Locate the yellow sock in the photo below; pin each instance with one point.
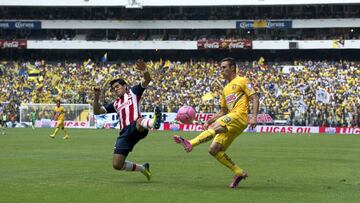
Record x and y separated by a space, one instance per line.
66 134
203 137
226 161
56 131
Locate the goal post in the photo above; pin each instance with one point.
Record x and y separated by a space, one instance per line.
76 115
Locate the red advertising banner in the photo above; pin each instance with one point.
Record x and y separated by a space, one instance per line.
272 129
170 117
13 44
183 127
261 118
285 129
259 129
224 44
47 123
339 130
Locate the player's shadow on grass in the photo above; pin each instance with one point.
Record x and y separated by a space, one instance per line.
137 182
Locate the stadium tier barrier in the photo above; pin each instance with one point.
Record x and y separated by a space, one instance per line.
266 124
169 124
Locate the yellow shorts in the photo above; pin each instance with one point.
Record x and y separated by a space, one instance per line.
235 124
60 124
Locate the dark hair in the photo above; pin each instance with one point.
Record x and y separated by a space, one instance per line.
230 60
119 80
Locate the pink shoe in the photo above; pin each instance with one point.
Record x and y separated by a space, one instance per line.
184 142
236 180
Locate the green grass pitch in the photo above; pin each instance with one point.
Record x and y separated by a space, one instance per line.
282 168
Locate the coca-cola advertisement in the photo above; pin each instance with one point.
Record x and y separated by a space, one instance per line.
224 44
13 44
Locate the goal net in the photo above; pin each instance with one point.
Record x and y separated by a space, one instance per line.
76 115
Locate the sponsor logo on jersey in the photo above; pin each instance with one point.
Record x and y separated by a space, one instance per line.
230 98
226 119
125 104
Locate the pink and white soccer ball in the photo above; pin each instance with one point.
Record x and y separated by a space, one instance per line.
186 114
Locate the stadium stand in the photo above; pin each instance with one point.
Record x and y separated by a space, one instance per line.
290 96
293 63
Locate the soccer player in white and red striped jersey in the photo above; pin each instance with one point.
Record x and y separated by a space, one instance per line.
133 127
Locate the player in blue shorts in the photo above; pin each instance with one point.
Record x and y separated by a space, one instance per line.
133 127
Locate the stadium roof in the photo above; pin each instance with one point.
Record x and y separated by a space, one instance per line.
141 3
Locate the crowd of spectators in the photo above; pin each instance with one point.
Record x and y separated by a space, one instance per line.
294 96
285 93
182 13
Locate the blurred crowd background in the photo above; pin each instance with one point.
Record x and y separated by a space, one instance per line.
314 93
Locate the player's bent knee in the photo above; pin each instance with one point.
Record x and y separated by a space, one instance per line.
213 150
138 122
118 165
139 126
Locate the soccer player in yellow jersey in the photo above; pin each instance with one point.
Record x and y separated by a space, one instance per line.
230 121
59 115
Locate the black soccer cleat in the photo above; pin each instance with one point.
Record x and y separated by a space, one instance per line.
147 172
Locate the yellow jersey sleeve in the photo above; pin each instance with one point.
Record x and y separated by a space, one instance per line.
247 87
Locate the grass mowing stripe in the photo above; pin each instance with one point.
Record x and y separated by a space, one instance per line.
282 167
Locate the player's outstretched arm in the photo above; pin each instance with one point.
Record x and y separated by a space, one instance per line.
98 109
141 66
